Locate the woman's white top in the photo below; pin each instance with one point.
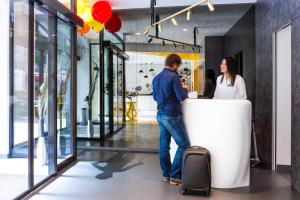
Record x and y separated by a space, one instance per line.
225 90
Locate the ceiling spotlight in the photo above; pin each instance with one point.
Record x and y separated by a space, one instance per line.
150 40
159 27
174 45
193 49
199 49
146 31
188 15
146 76
137 33
210 6
185 29
175 23
183 46
164 43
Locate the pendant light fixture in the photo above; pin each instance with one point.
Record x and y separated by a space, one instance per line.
174 21
146 31
187 10
188 15
174 45
146 76
210 6
150 40
159 27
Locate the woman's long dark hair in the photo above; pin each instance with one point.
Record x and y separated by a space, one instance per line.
232 69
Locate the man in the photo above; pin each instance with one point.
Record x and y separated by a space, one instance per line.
169 92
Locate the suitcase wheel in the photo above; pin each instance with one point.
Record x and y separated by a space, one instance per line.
183 191
207 193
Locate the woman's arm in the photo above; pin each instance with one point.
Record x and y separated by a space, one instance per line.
241 86
217 88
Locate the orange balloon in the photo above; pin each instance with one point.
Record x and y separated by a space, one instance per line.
84 30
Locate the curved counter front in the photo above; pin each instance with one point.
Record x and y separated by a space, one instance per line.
224 128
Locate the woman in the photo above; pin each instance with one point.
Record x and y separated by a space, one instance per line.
210 84
229 84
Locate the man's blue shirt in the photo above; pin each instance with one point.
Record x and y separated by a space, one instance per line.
168 92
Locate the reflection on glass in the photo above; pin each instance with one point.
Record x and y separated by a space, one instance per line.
41 44
83 87
95 71
115 89
63 91
14 171
107 90
120 92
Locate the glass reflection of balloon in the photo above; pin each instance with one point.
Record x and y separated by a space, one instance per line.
86 15
83 30
92 23
99 27
114 24
80 6
101 11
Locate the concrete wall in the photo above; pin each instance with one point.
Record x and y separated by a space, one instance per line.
270 16
241 38
83 75
4 74
214 53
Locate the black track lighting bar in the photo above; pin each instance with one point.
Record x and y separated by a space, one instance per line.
173 41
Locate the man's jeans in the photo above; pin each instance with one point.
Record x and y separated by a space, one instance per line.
171 126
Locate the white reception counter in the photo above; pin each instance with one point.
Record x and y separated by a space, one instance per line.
224 128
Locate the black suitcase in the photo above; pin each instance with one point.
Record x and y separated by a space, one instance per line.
196 173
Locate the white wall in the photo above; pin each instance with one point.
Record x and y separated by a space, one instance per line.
83 75
283 96
4 66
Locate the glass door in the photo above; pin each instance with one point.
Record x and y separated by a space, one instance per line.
120 92
64 99
14 168
115 91
108 93
41 66
41 76
117 100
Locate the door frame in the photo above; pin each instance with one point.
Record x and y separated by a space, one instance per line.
274 95
112 49
55 10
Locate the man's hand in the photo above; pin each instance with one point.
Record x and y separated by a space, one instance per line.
185 86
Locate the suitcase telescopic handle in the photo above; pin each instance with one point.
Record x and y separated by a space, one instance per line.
196 147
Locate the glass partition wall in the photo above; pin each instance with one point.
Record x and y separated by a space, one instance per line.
106 91
41 78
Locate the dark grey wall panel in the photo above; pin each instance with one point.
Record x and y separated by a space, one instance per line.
241 38
296 104
214 52
270 16
295 8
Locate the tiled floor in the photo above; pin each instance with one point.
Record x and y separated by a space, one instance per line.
144 136
131 176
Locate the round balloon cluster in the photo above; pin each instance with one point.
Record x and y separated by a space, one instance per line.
97 17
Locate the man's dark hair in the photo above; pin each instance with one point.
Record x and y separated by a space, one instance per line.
173 59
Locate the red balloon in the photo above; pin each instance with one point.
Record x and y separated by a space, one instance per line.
114 24
102 11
